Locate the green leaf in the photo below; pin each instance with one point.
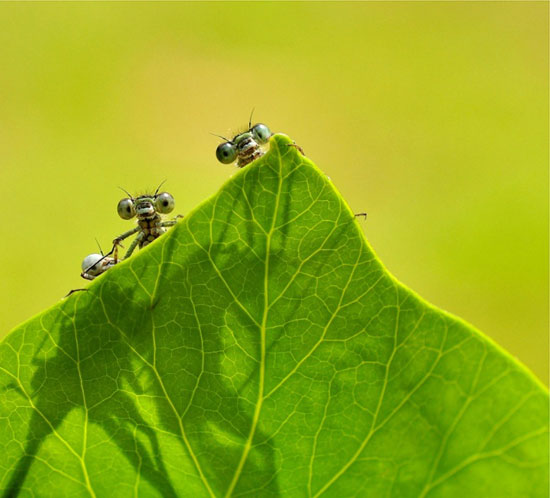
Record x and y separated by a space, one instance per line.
260 348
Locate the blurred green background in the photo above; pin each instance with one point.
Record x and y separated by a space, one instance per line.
433 117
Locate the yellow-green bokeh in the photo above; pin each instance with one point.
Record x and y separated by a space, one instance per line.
433 117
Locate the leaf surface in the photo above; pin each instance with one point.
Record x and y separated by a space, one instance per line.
260 348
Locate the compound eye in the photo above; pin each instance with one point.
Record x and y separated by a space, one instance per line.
126 209
226 153
90 264
261 133
164 203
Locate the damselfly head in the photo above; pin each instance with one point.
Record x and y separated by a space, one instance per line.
92 264
245 146
145 206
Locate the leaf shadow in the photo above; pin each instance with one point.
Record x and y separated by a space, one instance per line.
123 348
214 409
161 342
56 383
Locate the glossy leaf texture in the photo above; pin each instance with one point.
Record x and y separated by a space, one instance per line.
261 349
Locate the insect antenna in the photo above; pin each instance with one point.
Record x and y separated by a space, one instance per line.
250 118
158 188
219 136
127 193
99 245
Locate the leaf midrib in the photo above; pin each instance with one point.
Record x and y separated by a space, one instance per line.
263 327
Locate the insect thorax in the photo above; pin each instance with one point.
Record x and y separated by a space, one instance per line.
151 229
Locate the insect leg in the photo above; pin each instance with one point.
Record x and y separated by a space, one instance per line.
133 245
297 147
118 241
170 223
364 215
72 291
127 234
